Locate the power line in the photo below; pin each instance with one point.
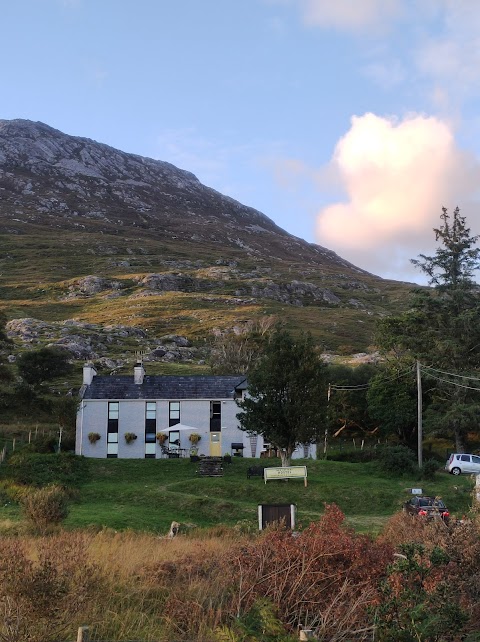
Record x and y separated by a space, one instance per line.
450 374
361 386
453 383
365 386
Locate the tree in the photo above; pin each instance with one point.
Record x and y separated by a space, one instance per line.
451 268
42 365
65 411
287 394
347 406
442 328
392 401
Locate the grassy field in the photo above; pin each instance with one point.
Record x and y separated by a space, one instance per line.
147 495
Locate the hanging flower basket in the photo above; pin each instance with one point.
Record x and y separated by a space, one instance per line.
129 437
93 437
194 437
161 438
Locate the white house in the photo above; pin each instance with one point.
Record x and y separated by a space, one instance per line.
121 416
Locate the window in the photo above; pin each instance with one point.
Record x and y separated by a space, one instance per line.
174 440
475 459
215 416
150 429
112 429
173 413
151 410
150 451
465 458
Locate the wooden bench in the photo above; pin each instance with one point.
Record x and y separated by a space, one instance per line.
255 471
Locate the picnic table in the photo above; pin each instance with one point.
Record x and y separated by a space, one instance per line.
175 453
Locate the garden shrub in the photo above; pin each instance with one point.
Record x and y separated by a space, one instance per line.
354 456
396 460
429 469
12 492
45 507
45 444
46 586
261 624
35 469
444 563
325 578
419 601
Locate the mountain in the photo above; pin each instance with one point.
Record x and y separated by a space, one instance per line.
93 236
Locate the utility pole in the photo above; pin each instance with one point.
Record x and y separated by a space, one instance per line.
419 415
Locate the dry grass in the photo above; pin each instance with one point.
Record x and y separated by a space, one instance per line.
403 527
116 578
207 586
125 552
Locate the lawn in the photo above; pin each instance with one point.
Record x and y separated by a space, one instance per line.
147 495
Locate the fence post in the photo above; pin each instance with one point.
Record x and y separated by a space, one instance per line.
83 634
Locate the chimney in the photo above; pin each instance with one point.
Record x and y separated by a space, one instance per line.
138 374
88 373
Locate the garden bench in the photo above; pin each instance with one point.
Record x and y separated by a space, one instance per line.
255 471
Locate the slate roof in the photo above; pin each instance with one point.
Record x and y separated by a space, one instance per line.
165 387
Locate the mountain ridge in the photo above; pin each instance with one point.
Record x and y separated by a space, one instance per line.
50 158
96 235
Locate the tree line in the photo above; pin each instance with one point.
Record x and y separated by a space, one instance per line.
294 398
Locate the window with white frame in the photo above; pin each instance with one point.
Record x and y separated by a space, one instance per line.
150 429
173 413
112 429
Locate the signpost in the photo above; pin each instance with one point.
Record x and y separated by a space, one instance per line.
287 472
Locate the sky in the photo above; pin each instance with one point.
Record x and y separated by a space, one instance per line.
349 123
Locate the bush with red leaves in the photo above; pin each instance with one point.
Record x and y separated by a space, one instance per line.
325 577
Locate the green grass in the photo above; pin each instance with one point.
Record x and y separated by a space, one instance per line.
147 495
61 259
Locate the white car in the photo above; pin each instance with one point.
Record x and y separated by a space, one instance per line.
459 463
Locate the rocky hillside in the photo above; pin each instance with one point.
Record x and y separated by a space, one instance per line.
110 242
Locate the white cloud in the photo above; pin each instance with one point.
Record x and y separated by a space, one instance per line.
452 56
350 15
432 45
396 175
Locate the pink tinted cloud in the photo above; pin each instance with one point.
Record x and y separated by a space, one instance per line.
350 15
396 176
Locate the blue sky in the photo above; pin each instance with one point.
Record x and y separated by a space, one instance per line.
350 123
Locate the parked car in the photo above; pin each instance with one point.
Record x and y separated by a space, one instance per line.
459 463
429 507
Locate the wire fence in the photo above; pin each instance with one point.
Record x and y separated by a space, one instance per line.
10 442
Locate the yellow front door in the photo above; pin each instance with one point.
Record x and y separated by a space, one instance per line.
215 445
